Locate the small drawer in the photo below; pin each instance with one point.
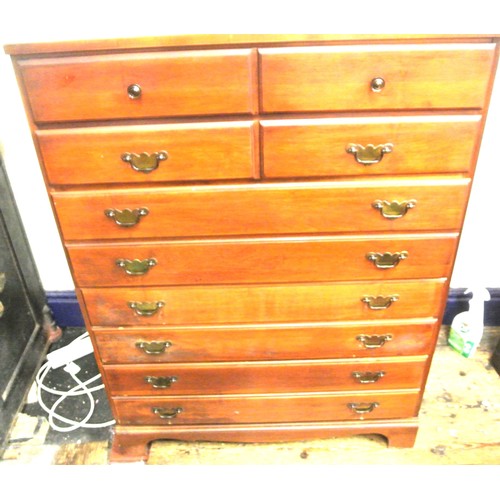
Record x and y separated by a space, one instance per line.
369 146
265 377
380 77
143 85
148 153
260 209
234 304
266 260
163 345
261 409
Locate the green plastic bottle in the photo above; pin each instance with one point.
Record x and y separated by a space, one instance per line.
467 327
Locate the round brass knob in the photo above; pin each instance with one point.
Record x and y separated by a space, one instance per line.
134 91
377 84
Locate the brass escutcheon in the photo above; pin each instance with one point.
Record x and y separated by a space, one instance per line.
373 341
380 302
369 154
136 267
146 308
126 217
386 260
368 377
144 162
393 209
154 348
160 382
361 408
167 413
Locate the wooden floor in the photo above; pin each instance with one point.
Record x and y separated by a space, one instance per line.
460 425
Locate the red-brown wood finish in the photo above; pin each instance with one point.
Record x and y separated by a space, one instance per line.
173 84
204 151
272 341
257 209
260 222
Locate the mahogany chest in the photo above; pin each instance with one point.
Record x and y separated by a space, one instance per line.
261 228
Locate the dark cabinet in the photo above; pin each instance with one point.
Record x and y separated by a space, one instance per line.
26 326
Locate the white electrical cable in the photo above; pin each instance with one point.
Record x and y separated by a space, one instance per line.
81 388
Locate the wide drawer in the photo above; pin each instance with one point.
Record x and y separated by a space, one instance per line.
264 260
265 342
148 153
171 84
265 377
369 146
375 78
219 304
262 409
309 207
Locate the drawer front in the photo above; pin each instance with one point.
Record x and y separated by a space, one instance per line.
148 153
263 260
263 303
265 342
340 78
369 146
255 378
261 409
172 84
263 209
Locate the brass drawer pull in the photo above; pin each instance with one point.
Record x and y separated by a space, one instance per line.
134 91
144 162
362 408
380 302
368 377
154 348
167 413
377 84
146 308
386 260
160 382
373 341
393 209
136 267
369 154
126 217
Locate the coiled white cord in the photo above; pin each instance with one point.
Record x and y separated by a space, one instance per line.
80 389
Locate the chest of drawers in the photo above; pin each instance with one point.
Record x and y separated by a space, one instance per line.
261 229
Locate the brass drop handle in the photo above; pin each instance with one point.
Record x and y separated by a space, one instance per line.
160 382
146 308
373 341
380 302
368 377
377 84
369 154
136 267
167 413
126 217
153 348
393 209
362 408
134 91
386 260
144 162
